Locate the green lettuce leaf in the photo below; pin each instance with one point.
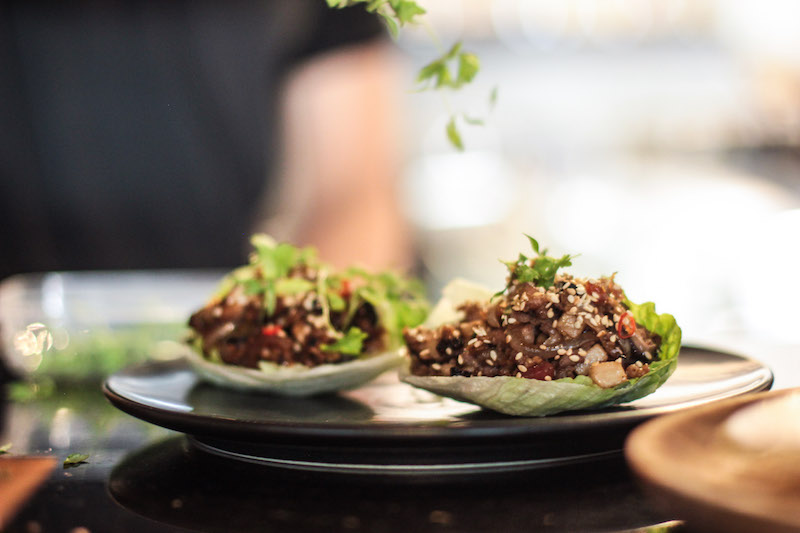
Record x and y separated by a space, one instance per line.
293 380
530 397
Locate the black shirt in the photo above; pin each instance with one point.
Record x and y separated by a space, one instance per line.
142 134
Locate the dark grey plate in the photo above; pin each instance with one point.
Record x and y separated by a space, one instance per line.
389 427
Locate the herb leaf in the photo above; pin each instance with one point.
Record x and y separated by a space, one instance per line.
468 66
540 270
287 286
351 343
74 459
453 135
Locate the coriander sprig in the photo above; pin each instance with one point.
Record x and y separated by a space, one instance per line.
453 69
396 13
540 270
276 269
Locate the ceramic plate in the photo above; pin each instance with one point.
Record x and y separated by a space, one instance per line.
390 427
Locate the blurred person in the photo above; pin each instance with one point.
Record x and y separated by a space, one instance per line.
142 134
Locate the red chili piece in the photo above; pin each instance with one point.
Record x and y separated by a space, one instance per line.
626 326
271 329
346 289
597 291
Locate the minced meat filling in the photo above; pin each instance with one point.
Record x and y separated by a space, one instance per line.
545 334
239 330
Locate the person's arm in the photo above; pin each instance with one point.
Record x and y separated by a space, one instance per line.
341 151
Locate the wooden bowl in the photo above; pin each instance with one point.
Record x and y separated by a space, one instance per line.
730 466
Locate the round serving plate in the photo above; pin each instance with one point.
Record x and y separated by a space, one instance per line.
390 428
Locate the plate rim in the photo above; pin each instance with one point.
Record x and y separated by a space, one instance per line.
609 420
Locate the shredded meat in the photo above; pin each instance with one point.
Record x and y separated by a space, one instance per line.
538 333
239 330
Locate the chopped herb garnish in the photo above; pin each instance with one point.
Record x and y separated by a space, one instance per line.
540 270
279 270
75 459
5 448
351 344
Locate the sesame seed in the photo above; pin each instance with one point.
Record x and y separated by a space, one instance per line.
487 341
601 334
519 374
512 320
472 341
456 333
436 366
518 356
574 358
648 356
557 357
542 347
581 351
555 323
548 378
561 351
550 313
448 351
420 338
613 338
571 291
522 368
570 298
490 362
508 338
425 352
493 355
460 360
569 351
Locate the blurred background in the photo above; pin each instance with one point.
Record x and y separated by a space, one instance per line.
658 139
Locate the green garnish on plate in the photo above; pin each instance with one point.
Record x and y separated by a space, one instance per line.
75 459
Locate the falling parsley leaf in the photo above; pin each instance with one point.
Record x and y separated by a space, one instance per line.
453 135
351 344
493 98
468 66
473 121
396 13
451 70
5 448
75 459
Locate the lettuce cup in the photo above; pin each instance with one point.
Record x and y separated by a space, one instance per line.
547 343
289 324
